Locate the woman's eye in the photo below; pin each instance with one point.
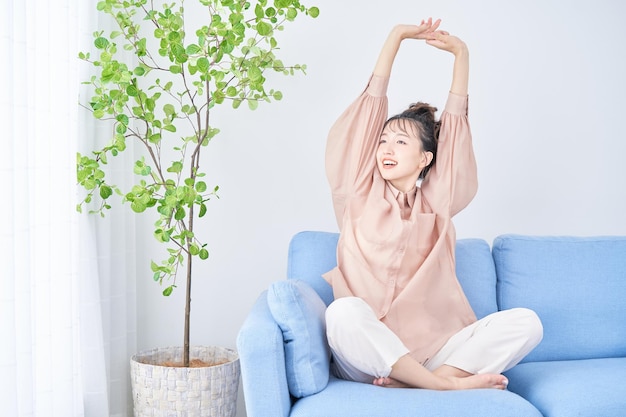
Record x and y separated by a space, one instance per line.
382 141
401 142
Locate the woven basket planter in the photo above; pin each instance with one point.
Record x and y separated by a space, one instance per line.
163 391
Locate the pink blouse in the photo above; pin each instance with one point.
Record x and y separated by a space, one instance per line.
403 268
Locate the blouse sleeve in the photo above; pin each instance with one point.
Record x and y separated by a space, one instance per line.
452 182
352 143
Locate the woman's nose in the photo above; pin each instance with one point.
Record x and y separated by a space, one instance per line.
385 149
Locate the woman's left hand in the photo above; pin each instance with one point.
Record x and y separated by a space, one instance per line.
443 40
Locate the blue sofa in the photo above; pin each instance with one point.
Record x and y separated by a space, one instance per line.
577 286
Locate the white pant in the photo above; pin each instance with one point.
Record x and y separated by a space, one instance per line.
364 348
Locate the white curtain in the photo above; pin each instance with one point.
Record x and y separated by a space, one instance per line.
67 301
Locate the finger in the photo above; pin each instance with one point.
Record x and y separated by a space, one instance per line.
440 36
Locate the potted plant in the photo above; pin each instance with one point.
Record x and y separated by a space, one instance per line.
164 101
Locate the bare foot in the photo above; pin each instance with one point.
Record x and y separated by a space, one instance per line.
389 383
492 381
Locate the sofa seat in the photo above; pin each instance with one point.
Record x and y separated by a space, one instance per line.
582 388
344 398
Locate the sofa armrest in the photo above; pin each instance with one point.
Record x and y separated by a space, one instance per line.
262 357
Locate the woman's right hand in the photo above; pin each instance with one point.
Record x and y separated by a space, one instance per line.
425 30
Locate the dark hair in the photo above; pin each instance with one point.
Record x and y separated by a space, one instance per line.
422 117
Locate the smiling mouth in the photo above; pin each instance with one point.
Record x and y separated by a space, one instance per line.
388 163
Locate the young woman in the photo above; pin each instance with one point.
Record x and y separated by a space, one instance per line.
400 317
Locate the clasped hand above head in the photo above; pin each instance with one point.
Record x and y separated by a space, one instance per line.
425 30
429 31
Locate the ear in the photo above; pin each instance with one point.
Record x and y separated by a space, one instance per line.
427 158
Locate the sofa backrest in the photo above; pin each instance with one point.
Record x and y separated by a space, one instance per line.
311 254
577 286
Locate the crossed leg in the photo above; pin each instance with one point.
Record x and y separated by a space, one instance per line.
473 358
408 373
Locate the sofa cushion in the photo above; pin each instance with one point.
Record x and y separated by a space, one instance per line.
577 286
345 398
312 254
299 312
584 388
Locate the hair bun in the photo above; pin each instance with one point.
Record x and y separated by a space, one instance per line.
421 109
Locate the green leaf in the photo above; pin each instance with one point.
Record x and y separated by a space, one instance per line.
201 186
141 168
193 49
253 104
137 206
101 43
168 291
120 128
105 192
203 64
179 53
180 213
169 109
204 254
132 91
122 118
162 235
264 28
258 11
176 167
254 73
314 12
90 184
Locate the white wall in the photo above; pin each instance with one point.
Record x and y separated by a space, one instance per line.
547 98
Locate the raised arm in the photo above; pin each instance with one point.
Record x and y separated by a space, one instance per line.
452 181
460 74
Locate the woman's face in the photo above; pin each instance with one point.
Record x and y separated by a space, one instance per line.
400 157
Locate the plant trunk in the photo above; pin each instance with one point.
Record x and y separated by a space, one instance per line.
187 307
